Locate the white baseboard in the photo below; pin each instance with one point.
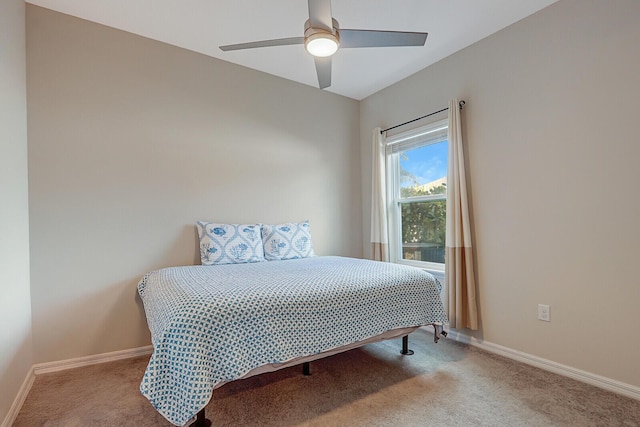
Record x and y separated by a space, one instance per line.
19 400
605 383
62 365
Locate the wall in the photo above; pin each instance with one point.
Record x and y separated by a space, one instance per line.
15 306
552 151
131 141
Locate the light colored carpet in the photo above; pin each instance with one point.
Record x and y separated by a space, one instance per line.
444 384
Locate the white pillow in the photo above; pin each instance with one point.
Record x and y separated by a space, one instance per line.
229 243
287 241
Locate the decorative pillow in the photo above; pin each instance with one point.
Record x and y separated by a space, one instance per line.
229 243
287 241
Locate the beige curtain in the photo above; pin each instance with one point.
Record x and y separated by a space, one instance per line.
379 229
460 298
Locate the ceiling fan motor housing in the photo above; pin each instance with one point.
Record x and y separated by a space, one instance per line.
329 38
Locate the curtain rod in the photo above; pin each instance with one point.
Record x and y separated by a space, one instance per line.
461 104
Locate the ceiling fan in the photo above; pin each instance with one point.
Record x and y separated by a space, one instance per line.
323 37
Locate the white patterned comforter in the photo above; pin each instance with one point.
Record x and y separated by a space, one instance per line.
213 324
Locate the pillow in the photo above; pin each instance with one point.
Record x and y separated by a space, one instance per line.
229 243
287 241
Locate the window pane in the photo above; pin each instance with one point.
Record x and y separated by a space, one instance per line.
423 230
423 170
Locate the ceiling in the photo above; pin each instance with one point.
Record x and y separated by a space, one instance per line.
203 25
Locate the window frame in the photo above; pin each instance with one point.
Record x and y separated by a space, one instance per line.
419 137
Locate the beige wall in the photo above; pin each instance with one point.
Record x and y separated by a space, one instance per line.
552 148
15 307
131 141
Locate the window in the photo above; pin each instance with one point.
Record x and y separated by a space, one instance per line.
417 178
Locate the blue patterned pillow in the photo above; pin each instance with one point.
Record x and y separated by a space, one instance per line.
287 241
229 243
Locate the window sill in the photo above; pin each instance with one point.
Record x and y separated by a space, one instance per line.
431 267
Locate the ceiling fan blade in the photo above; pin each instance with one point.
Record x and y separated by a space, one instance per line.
323 68
320 14
372 38
264 43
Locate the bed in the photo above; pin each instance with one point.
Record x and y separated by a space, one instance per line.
214 324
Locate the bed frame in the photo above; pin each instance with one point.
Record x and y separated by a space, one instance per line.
202 421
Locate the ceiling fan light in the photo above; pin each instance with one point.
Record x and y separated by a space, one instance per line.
322 44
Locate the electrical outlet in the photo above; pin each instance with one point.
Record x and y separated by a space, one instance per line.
544 312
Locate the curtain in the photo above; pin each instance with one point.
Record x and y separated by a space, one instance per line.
379 229
460 298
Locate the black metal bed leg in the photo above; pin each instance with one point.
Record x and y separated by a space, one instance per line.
201 420
405 346
438 330
306 371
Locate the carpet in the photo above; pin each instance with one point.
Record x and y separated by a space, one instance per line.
444 384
